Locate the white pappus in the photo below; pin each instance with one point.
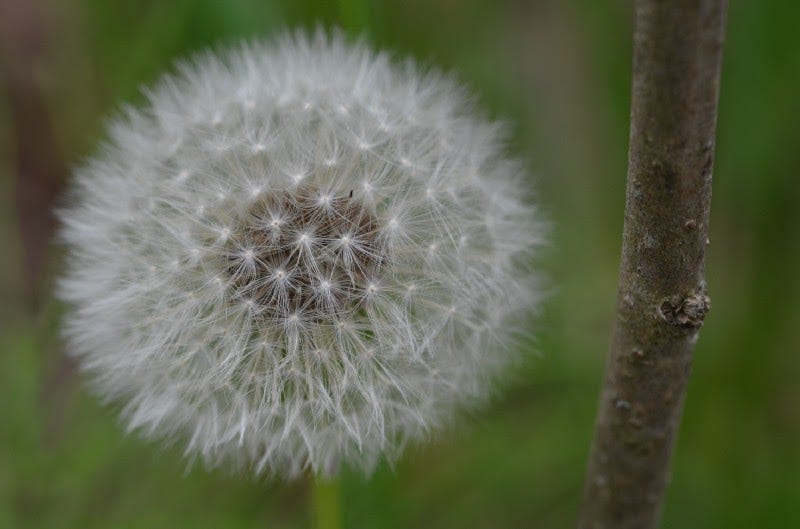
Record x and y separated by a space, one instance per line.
297 254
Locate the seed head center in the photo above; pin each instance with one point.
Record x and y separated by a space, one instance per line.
304 253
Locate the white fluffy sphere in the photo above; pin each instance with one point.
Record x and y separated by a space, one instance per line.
297 254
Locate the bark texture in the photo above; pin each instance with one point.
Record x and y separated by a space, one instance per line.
662 298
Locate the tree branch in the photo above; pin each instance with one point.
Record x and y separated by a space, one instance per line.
662 297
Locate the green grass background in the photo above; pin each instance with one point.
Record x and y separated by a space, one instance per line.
559 72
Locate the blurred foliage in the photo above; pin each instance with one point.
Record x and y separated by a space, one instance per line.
559 72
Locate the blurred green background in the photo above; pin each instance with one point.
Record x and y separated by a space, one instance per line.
559 72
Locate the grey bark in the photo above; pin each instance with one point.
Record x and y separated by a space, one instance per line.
662 298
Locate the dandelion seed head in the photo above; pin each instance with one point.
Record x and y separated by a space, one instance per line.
298 254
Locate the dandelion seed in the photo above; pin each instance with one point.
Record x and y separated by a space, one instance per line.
199 310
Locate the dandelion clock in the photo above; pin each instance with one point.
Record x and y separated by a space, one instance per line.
297 255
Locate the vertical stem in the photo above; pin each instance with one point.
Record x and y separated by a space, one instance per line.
662 297
326 503
23 43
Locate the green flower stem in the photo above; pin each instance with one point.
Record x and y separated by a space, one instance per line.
326 503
